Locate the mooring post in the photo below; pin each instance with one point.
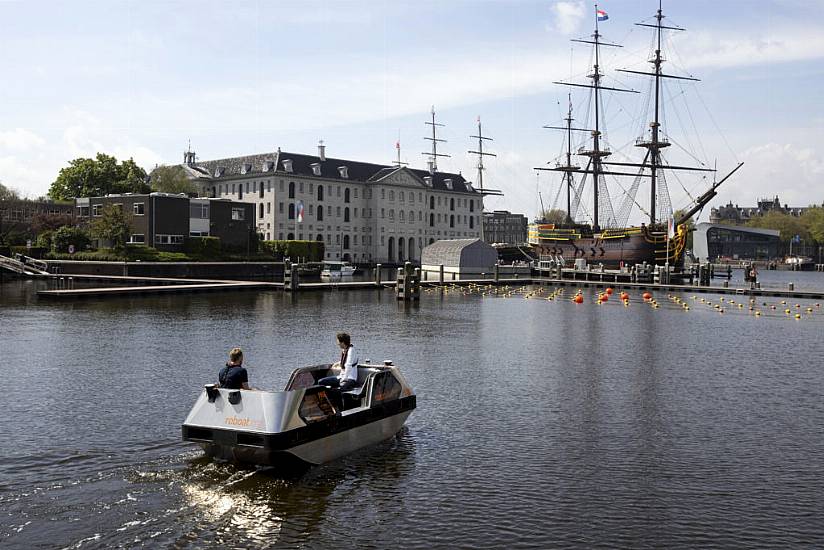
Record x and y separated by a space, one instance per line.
497 272
440 274
416 284
378 274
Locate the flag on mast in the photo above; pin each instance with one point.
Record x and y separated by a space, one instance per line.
670 227
602 15
300 212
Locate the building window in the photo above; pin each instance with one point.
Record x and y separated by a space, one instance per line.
268 207
320 192
96 209
401 216
139 208
383 193
301 187
238 214
240 191
291 211
431 220
338 191
346 195
320 213
471 222
391 213
356 193
452 204
472 206
233 188
260 213
346 242
346 213
432 203
452 220
339 211
291 190
290 237
137 238
261 190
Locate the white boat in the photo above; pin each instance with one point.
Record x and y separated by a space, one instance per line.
336 270
305 422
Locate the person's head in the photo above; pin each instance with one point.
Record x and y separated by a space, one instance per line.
344 340
236 356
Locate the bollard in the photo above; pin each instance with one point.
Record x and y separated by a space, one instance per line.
378 274
440 273
726 284
791 287
497 272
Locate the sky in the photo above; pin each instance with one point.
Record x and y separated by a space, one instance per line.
143 79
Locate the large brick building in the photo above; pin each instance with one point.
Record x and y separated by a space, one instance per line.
363 212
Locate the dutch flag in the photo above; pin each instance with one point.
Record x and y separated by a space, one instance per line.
300 212
602 15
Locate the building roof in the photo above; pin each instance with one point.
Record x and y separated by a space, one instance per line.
266 164
704 226
459 253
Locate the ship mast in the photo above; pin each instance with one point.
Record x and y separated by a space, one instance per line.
598 151
481 154
568 169
434 154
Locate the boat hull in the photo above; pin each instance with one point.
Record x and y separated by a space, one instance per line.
613 248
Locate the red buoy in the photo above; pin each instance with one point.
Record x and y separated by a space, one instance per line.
609 291
579 299
647 296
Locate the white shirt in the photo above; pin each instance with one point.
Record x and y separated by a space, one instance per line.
349 365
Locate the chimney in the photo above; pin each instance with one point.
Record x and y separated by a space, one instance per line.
321 151
428 180
431 164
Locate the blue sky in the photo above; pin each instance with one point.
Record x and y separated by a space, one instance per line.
141 78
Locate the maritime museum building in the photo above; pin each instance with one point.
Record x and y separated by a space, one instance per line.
363 212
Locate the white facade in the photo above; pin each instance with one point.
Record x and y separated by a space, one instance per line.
363 212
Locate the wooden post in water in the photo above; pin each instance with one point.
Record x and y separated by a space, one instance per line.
378 274
497 272
290 277
440 274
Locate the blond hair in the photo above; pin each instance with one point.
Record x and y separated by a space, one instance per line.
235 355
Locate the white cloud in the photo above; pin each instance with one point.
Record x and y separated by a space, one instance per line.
20 139
568 16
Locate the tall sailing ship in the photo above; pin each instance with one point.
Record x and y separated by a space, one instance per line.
607 239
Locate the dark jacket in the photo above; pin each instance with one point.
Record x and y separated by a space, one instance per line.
232 377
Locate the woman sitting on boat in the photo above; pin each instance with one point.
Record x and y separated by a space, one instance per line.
348 377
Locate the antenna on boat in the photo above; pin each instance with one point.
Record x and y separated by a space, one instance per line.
433 156
481 154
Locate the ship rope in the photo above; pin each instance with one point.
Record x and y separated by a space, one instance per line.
629 199
576 199
605 211
558 192
664 203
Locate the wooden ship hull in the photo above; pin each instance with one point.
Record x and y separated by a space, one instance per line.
614 248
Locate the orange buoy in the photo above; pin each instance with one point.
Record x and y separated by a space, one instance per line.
624 296
578 299
603 297
647 296
609 290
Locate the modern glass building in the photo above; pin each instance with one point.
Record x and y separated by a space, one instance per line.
712 241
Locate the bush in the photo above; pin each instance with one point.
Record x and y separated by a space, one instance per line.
310 251
141 252
67 235
44 239
207 247
33 252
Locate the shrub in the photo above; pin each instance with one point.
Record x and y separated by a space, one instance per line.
44 239
311 251
208 247
67 235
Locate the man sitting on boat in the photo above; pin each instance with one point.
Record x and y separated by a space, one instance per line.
348 377
233 376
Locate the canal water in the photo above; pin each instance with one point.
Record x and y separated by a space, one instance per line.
540 423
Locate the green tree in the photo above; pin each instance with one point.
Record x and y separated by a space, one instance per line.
555 216
788 225
97 177
171 179
7 193
114 225
67 235
813 220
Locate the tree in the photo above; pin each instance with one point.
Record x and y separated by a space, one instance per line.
555 216
67 235
8 194
97 177
813 220
788 225
114 225
171 179
43 221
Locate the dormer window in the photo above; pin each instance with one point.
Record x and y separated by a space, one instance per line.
315 168
344 172
287 165
245 168
469 187
268 166
448 183
428 180
219 171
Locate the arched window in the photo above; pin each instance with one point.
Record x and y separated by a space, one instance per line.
320 213
346 242
346 212
320 192
402 215
471 222
431 240
411 247
346 195
291 190
431 220
400 249
261 210
214 192
391 249
452 204
472 206
319 238
291 211
411 214
432 203
452 220
290 237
